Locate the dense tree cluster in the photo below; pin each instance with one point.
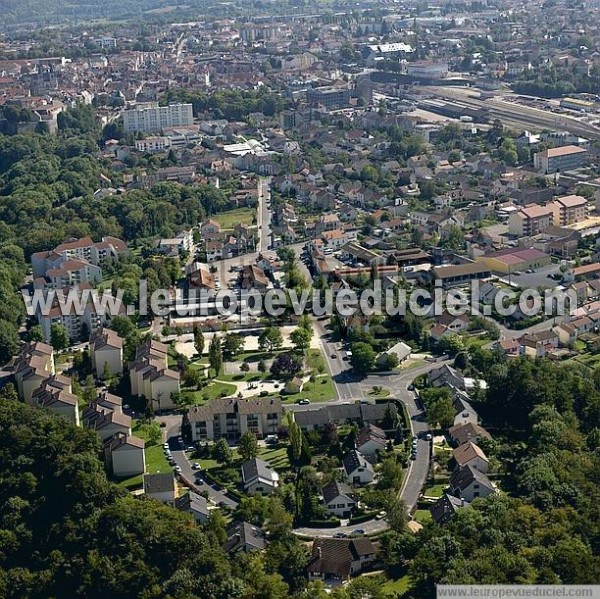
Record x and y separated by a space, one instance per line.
231 104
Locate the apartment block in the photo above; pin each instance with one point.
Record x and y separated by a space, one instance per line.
70 256
569 210
55 394
563 158
231 418
106 351
33 365
152 118
530 220
151 376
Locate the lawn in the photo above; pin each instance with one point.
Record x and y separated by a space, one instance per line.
435 490
379 393
423 516
231 218
215 390
276 456
322 389
240 377
393 588
156 461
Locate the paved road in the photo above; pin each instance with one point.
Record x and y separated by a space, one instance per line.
416 474
346 383
188 474
263 213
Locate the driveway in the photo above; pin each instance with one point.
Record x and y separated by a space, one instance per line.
188 474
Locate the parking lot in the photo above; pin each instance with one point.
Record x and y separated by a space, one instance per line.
536 279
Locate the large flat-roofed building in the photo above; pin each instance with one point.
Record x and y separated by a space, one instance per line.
332 98
512 260
459 274
152 118
563 158
427 69
231 418
530 220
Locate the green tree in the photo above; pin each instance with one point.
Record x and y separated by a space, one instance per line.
199 340
222 452
9 341
270 339
363 357
301 338
233 344
59 337
248 446
215 355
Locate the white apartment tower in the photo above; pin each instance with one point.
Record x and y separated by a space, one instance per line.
152 118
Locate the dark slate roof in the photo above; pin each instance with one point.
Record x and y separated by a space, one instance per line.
445 507
354 460
159 483
335 556
466 475
335 489
256 468
192 502
242 535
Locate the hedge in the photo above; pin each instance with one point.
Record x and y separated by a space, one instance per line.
363 518
323 523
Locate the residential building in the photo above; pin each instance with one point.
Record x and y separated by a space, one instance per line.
106 421
33 365
335 560
194 504
54 395
243 537
401 350
339 499
531 220
160 486
464 410
471 454
231 418
469 483
125 455
152 118
259 477
106 353
317 418
569 210
445 376
562 158
357 469
254 277
466 432
445 508
152 144
370 441
151 377
331 98
81 251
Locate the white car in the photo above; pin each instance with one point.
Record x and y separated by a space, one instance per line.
177 468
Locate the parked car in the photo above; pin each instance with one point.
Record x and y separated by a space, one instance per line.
177 469
196 466
428 437
358 531
340 535
304 402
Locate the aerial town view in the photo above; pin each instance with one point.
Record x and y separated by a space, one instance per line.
299 299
